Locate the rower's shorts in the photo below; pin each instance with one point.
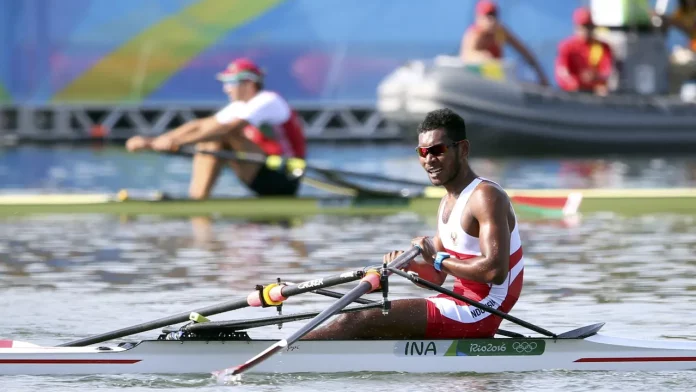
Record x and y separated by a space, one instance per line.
274 183
450 318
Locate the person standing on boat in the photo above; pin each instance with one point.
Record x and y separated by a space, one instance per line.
485 39
257 121
477 242
584 63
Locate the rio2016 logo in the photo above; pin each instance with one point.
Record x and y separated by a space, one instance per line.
487 348
524 347
497 347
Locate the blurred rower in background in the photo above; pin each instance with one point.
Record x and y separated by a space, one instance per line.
256 121
584 63
485 39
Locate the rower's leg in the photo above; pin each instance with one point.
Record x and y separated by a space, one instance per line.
206 170
407 319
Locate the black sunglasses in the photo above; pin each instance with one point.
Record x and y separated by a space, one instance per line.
435 150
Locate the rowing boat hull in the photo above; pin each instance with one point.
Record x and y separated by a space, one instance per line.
598 352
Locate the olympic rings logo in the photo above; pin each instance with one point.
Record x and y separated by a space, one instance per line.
524 347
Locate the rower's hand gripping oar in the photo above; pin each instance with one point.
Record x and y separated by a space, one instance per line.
371 281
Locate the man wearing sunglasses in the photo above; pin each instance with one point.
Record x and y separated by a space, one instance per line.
477 242
257 121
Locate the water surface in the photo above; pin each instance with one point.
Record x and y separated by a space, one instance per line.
63 278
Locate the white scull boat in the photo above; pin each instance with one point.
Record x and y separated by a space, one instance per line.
500 354
204 346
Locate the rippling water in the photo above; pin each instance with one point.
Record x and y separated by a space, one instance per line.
63 278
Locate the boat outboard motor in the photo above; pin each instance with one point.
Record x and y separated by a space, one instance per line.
640 48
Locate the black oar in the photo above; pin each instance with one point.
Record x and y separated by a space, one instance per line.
250 300
416 279
366 285
296 166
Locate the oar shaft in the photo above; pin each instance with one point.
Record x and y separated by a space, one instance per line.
440 289
316 284
241 156
159 323
253 299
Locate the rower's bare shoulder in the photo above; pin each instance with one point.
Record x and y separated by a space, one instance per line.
489 196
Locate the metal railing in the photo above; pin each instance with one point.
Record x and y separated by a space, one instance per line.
64 123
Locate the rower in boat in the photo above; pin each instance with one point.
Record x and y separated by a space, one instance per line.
256 121
477 242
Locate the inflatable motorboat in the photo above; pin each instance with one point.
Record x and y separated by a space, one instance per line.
514 118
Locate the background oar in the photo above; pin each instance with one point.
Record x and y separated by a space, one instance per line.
296 166
250 300
367 284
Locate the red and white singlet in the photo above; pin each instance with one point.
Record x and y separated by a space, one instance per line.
451 318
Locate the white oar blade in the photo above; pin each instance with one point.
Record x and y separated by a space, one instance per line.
224 375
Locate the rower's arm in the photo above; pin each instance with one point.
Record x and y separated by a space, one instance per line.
183 129
209 129
490 207
528 56
440 276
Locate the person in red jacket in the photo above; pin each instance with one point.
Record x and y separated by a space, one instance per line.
584 63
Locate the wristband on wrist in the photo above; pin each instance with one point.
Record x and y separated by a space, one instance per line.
437 264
